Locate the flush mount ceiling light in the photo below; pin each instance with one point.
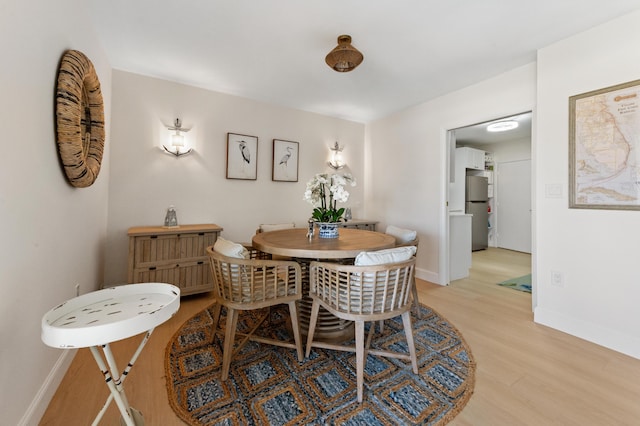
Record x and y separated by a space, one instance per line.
344 57
502 126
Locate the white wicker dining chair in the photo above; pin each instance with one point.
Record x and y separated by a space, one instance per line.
249 284
414 287
268 227
405 238
361 294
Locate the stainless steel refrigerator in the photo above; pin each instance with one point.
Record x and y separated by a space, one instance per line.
476 203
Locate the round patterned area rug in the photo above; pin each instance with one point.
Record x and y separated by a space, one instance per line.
268 386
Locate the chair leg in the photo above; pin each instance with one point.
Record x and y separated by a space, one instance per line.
229 337
295 327
315 308
216 316
416 302
408 332
360 358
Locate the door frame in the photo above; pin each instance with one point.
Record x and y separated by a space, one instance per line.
447 139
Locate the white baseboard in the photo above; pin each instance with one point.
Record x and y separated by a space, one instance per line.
594 333
426 275
41 401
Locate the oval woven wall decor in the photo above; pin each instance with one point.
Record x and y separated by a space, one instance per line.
79 119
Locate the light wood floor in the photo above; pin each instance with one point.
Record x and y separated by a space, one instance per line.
527 374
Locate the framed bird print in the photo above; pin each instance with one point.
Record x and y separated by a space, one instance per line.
242 156
285 161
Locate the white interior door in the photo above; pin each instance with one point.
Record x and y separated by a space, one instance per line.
514 205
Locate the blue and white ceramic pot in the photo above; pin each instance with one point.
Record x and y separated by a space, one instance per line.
328 229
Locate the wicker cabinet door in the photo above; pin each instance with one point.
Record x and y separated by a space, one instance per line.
168 273
149 250
193 246
175 256
195 277
360 224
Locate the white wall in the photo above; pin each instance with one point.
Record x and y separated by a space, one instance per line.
512 150
408 155
52 234
595 250
145 181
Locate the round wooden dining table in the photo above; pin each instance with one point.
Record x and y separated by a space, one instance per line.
295 244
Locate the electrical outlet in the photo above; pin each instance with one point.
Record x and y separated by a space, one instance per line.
557 279
77 290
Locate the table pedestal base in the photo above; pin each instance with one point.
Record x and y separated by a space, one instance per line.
329 328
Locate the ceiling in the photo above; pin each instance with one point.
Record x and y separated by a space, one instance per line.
273 51
478 134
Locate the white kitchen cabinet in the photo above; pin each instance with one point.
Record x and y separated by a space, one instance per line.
471 158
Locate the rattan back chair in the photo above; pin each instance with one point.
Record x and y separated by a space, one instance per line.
250 284
268 227
414 288
361 294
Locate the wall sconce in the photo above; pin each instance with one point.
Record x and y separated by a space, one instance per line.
336 157
177 140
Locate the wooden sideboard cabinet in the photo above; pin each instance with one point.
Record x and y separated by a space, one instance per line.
172 255
368 225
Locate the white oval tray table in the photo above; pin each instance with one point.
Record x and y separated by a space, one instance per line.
98 318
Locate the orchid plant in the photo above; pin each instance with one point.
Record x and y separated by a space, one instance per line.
324 191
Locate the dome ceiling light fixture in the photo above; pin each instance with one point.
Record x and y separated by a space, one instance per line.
344 57
502 126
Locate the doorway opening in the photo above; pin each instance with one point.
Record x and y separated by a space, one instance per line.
506 166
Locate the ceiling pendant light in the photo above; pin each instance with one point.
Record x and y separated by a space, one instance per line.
344 57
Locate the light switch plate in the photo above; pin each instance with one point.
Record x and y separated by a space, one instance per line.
553 190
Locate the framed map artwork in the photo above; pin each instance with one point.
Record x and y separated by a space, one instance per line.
604 148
